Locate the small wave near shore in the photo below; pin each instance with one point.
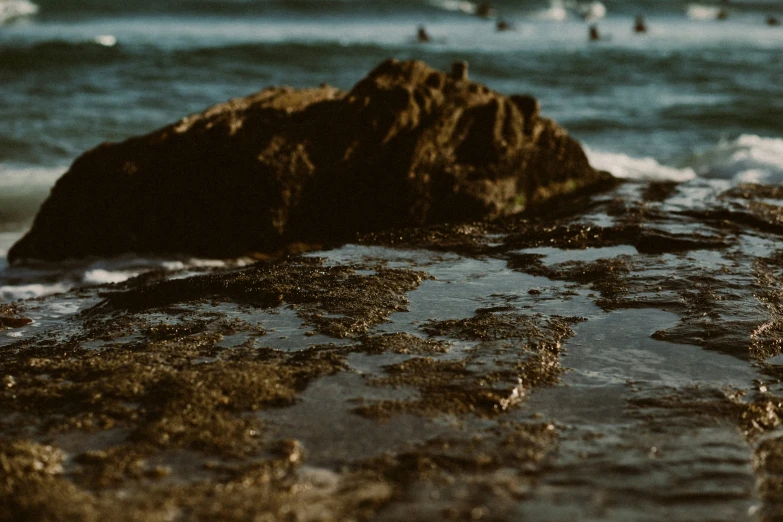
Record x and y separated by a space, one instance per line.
745 159
42 279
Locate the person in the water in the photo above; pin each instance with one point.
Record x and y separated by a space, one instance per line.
484 10
422 35
503 25
594 34
639 26
772 20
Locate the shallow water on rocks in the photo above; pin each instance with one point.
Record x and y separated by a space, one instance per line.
620 364
615 461
618 462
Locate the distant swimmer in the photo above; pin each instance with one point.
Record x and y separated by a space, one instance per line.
484 10
503 25
594 34
422 35
772 21
722 14
639 26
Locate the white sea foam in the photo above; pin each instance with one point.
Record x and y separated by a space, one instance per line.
628 167
106 40
12 9
454 5
560 10
556 11
702 12
24 282
63 308
13 292
746 159
592 10
98 276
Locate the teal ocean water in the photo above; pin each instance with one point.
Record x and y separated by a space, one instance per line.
698 96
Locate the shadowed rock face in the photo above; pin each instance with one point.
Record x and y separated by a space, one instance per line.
408 145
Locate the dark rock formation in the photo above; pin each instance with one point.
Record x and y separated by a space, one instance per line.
408 145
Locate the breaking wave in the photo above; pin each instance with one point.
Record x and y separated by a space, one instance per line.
703 12
629 167
462 6
746 159
560 10
38 280
556 11
11 10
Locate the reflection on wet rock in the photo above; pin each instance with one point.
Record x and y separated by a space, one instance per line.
619 357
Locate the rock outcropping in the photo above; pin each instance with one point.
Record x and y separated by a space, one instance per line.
407 146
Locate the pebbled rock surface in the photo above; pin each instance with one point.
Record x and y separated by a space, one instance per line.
407 146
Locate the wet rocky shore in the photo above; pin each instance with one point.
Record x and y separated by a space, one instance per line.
612 356
451 316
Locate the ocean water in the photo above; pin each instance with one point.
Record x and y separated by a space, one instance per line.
694 98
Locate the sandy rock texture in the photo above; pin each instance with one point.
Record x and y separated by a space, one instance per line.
407 146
